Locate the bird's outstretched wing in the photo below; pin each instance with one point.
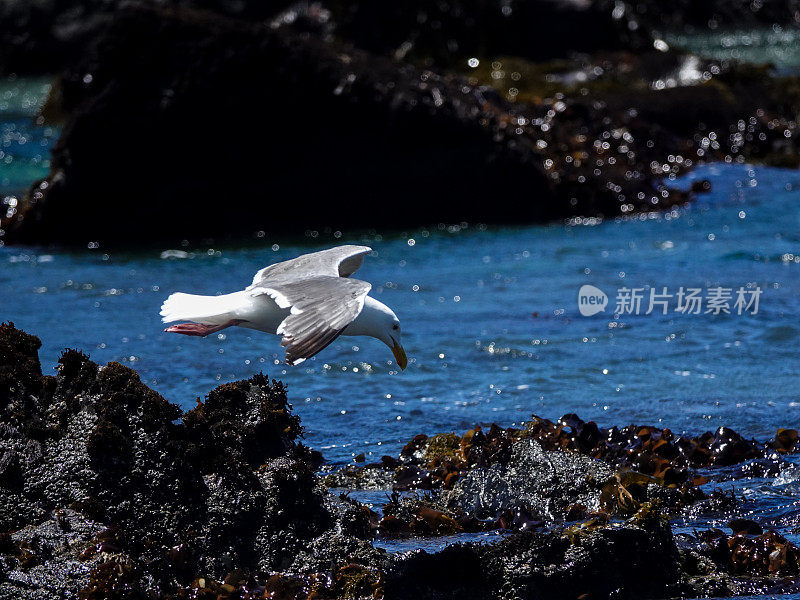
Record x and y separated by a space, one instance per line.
321 307
341 261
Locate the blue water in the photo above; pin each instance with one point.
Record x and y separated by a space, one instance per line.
24 147
490 320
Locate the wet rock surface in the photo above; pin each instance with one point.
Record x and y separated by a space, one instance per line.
47 35
542 483
634 560
385 122
572 483
454 111
716 14
226 487
109 491
53 558
444 34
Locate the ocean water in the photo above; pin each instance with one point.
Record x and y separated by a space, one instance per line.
775 45
24 147
491 319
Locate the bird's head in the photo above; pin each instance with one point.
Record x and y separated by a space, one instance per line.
386 327
379 321
394 341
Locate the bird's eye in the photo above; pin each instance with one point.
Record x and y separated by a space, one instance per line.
395 326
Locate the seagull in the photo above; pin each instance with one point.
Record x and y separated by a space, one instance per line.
309 301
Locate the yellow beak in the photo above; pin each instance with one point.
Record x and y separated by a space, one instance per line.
399 355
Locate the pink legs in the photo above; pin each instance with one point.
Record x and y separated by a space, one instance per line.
198 329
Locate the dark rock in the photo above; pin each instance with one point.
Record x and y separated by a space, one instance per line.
227 488
43 37
412 478
433 144
587 136
649 450
448 33
730 111
20 370
545 483
421 516
106 492
634 560
361 478
745 526
785 441
54 566
713 14
755 563
494 478
48 35
455 572
247 421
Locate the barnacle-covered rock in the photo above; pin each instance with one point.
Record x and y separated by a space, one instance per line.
635 559
545 483
51 557
109 491
226 488
248 421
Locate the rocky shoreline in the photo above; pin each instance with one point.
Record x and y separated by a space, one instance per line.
216 119
109 491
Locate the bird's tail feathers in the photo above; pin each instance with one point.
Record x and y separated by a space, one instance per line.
200 309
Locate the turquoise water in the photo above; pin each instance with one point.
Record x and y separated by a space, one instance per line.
24 147
776 45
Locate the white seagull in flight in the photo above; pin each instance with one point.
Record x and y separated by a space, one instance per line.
308 300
